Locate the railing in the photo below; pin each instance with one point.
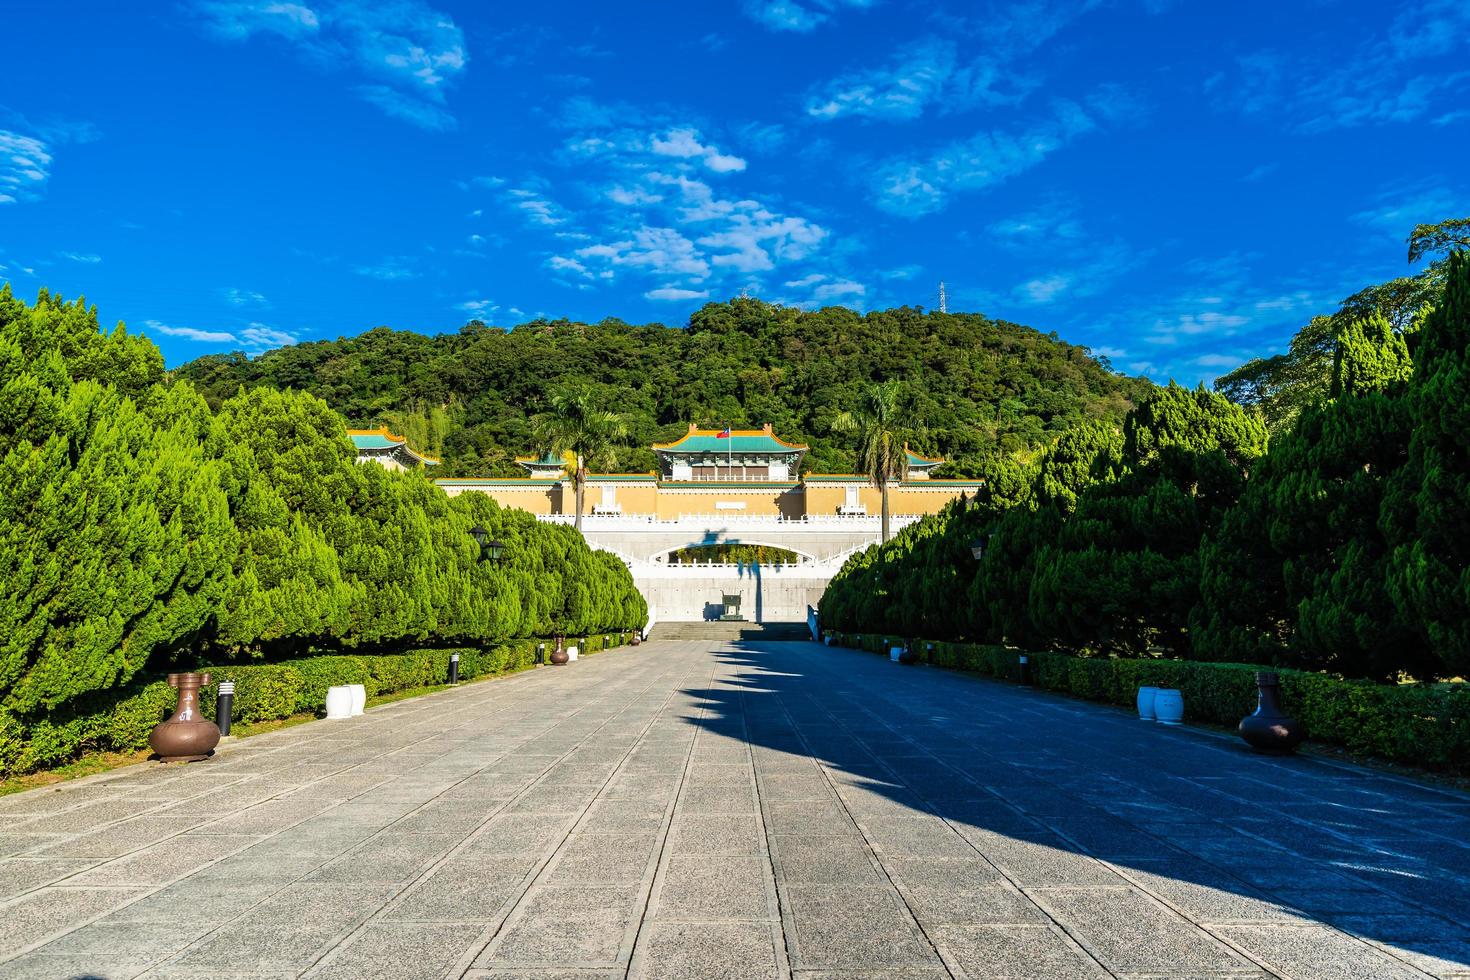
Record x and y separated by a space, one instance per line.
643 521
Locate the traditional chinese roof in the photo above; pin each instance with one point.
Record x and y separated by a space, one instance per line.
921 462
381 440
547 464
698 440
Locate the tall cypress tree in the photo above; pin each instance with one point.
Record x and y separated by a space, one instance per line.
1426 512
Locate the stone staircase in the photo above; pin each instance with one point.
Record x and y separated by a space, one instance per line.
730 632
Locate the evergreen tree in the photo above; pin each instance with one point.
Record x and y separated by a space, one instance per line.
1426 510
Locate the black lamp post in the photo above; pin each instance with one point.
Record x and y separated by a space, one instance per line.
490 549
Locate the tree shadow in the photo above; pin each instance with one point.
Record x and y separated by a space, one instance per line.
1056 792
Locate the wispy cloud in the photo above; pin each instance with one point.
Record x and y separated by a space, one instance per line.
684 143
818 289
479 307
913 187
799 16
391 269
400 105
1396 210
25 165
411 51
255 338
1413 68
85 258
243 297
650 211
190 333
921 74
259 337
675 294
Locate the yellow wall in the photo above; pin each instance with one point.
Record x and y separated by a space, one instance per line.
535 499
783 501
670 501
633 498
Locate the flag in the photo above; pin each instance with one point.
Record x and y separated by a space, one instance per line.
724 433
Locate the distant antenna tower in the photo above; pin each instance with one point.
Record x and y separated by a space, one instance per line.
943 299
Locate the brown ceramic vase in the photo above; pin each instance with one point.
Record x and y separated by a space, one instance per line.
186 736
559 655
1269 729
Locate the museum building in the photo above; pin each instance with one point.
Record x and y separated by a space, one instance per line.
740 472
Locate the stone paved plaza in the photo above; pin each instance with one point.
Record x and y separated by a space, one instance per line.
736 810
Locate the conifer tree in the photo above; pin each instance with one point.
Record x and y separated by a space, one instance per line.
1426 511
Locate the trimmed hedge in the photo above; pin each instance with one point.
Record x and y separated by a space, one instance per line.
120 719
1418 725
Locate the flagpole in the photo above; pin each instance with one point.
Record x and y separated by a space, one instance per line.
730 451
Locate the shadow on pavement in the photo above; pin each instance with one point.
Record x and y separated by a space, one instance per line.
1063 796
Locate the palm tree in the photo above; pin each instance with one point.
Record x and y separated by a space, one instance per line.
573 423
883 455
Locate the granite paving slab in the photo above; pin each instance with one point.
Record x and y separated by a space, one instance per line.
698 809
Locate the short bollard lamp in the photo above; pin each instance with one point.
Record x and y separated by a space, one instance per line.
454 668
1269 729
224 706
1023 668
977 548
186 736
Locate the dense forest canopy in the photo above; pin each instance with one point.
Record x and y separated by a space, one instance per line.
1340 543
979 388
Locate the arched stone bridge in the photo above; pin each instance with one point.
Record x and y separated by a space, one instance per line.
771 593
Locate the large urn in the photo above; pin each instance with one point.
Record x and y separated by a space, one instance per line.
186 736
559 655
1270 729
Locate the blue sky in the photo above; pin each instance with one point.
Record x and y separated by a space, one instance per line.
1178 185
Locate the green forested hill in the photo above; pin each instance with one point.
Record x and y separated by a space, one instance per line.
979 387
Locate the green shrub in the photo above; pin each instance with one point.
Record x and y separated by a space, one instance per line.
120 720
1415 724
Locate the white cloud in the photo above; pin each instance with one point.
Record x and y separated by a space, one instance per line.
25 164
535 208
820 289
675 294
643 182
479 307
1408 69
684 143
917 75
412 50
256 338
915 187
799 16
1044 290
1089 267
238 19
190 333
85 258
391 269
1397 210
1056 222
400 105
243 297
259 337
